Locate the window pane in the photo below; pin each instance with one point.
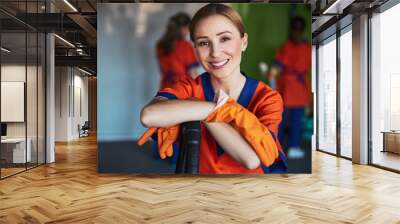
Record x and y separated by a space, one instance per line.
346 94
31 98
41 98
327 96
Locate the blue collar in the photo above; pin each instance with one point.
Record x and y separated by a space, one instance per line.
245 96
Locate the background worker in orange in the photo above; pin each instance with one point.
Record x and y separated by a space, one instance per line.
291 68
228 127
174 53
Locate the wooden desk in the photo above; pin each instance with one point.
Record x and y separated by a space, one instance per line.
17 150
391 141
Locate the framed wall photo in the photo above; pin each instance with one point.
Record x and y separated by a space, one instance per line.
12 101
210 52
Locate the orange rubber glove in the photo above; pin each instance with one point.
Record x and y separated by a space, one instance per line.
256 134
165 139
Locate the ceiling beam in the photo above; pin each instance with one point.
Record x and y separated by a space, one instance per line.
83 61
84 24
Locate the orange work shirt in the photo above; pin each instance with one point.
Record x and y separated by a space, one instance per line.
257 97
294 59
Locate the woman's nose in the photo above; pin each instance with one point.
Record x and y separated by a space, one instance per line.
215 50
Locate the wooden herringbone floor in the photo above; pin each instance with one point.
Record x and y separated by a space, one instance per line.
71 191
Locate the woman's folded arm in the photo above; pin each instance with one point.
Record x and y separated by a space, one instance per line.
165 113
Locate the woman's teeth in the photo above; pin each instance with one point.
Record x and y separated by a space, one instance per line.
219 64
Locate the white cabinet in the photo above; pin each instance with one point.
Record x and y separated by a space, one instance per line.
18 149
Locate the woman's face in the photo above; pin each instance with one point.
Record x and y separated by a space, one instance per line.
219 45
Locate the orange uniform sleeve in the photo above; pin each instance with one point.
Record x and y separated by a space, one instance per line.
256 134
269 110
166 137
181 89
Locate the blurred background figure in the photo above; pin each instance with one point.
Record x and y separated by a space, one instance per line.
175 53
176 58
291 69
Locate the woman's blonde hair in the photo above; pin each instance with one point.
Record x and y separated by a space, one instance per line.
216 9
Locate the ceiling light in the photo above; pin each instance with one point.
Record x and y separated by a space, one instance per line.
84 71
328 10
70 5
65 41
338 6
5 50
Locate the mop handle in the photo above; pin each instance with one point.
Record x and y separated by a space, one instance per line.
188 160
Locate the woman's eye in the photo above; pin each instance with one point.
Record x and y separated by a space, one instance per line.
224 39
202 43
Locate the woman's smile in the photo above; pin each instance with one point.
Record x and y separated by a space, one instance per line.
219 64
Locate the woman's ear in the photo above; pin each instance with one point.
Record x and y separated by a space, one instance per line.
244 41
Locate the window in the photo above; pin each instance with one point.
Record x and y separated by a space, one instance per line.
327 96
385 89
22 86
346 92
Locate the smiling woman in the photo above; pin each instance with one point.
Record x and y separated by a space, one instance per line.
240 115
219 50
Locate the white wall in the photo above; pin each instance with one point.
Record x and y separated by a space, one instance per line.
62 81
67 115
